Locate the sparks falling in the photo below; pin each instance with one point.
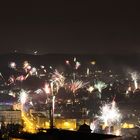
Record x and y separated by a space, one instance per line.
110 114
134 77
76 84
47 88
58 78
23 97
100 86
26 66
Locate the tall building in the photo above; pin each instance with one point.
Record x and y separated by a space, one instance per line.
10 117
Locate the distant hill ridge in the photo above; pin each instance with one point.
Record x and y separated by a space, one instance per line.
131 60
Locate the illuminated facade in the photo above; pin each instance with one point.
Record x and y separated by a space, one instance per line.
8 117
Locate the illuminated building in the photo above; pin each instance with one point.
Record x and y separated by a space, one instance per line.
10 116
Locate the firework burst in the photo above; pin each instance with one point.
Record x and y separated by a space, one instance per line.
100 86
26 66
58 78
110 114
77 84
12 65
23 97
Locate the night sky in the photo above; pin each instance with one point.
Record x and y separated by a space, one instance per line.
70 27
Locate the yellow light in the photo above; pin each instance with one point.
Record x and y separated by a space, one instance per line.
117 132
29 126
47 125
93 62
66 124
131 125
127 125
104 126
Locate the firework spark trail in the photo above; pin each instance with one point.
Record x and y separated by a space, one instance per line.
90 89
74 59
77 84
39 91
53 104
26 66
47 88
2 76
21 78
29 69
93 126
23 96
110 114
12 65
134 77
58 78
100 86
88 71
52 87
33 71
11 80
67 62
77 65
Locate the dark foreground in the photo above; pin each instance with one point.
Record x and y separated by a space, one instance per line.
56 134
